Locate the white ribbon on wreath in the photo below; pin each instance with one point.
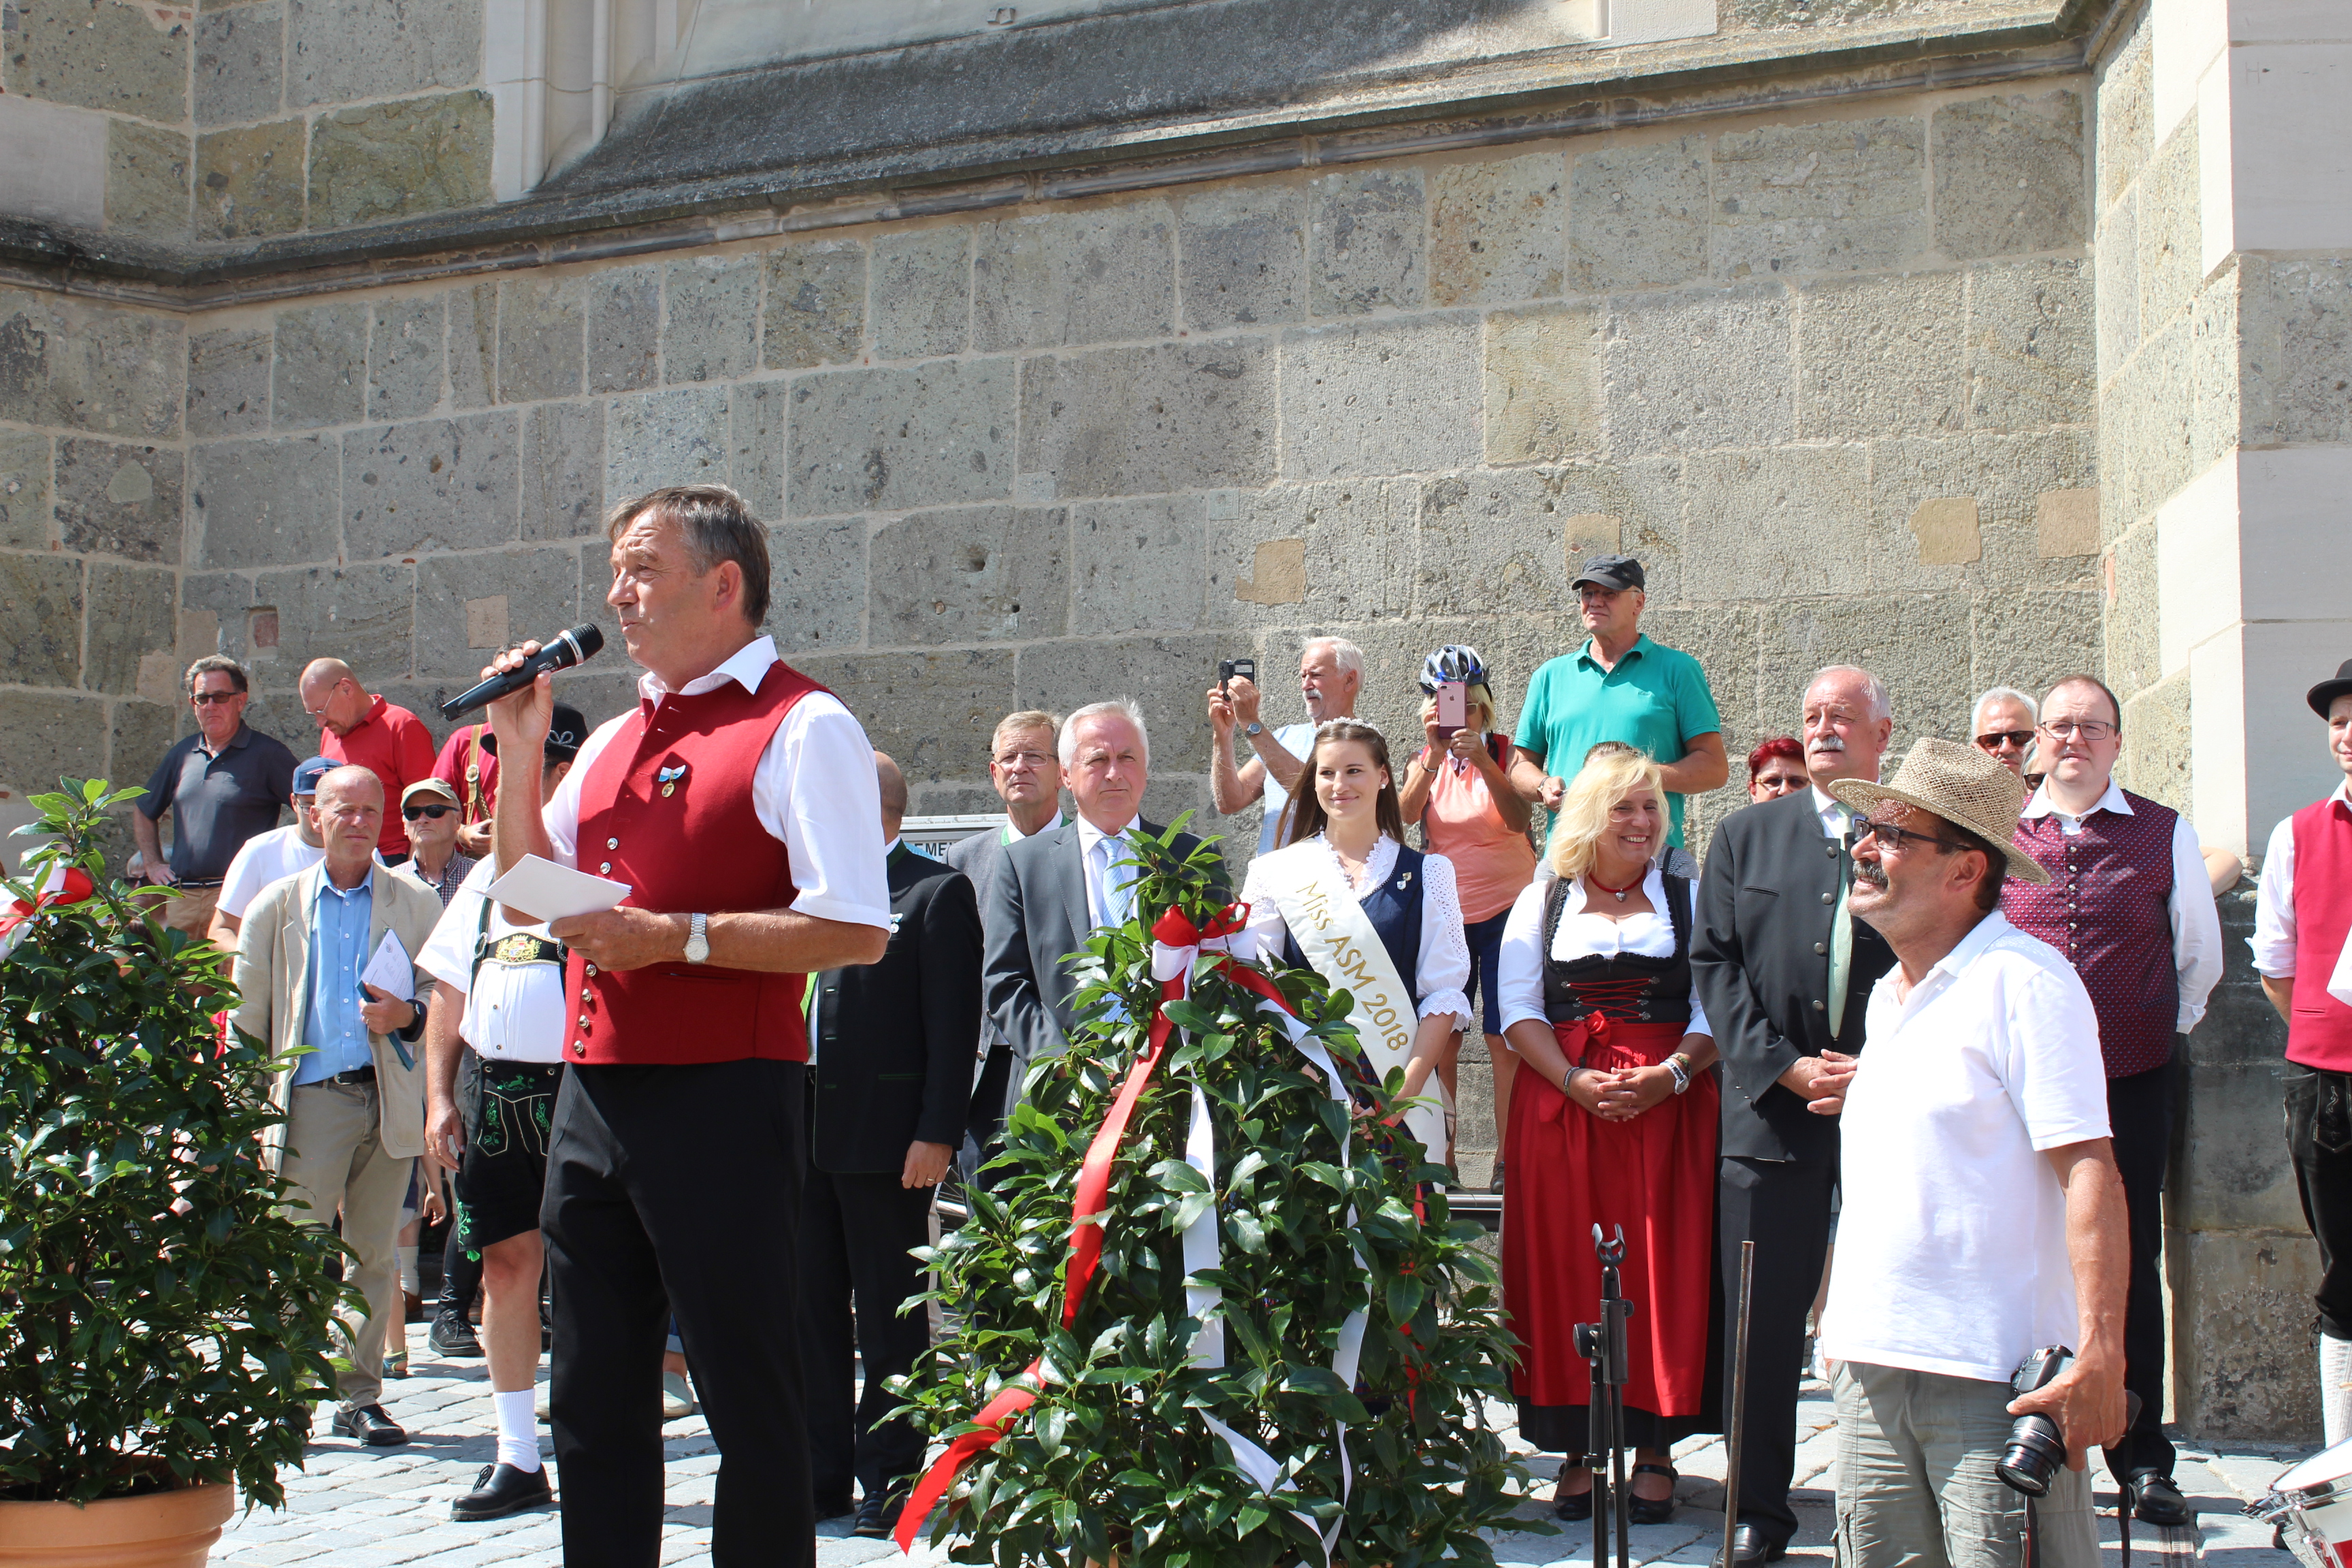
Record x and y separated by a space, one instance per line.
1203 1245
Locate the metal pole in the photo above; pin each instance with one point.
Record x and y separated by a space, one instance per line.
1738 1399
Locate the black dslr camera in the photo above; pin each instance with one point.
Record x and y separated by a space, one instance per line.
2036 1447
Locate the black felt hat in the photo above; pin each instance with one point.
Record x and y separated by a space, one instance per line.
2322 696
567 731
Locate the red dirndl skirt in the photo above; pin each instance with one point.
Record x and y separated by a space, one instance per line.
1655 1175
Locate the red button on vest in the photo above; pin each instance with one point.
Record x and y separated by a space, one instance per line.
674 788
2319 1033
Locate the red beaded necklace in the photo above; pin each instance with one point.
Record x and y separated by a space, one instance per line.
1618 893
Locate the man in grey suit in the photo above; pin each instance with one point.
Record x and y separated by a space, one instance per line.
1052 891
1023 771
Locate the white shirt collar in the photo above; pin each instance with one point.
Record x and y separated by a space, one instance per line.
1965 952
890 848
2041 804
1045 826
1654 887
1090 834
1832 813
748 665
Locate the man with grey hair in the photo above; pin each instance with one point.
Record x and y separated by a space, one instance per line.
221 784
2001 725
1785 971
1056 889
1330 678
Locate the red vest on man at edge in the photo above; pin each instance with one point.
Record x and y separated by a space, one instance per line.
2319 1030
667 807
2107 908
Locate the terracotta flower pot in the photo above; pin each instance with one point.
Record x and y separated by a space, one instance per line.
162 1530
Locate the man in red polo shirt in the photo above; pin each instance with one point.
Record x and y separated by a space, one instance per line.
355 727
2302 912
738 800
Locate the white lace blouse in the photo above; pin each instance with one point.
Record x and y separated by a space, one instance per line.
1581 935
1444 969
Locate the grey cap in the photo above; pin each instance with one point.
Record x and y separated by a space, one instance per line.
1610 572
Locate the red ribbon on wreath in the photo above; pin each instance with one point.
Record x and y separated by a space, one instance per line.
73 888
1173 929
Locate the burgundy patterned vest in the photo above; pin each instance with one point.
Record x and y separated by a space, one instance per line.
2319 1035
2105 908
667 807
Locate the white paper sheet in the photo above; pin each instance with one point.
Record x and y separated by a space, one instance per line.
389 971
2339 984
546 891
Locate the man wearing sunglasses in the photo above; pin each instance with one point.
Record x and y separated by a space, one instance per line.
1991 1223
223 785
2002 723
2128 903
430 811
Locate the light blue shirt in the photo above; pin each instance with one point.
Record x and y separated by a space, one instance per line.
340 920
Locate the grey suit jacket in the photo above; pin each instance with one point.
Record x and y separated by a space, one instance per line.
1037 920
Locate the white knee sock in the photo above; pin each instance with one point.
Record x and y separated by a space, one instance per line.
2336 1388
410 1281
518 1430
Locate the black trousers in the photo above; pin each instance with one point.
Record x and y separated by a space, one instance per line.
2319 1140
675 1191
1783 1206
2139 1118
855 1232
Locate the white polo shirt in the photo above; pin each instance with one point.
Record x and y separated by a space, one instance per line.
515 1013
1951 1252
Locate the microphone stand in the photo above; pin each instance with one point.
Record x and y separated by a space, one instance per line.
1603 1344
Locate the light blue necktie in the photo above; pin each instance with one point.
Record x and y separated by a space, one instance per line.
1114 883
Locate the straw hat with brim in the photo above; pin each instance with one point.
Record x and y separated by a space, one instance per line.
1959 784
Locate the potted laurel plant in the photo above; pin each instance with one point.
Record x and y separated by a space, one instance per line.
162 1328
1321 1212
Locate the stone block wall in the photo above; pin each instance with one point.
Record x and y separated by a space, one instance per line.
236 121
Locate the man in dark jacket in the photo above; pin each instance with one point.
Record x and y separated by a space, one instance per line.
1785 972
890 1053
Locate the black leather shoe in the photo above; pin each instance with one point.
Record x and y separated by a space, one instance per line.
1750 1545
371 1425
501 1489
454 1337
1640 1510
2156 1500
875 1518
1571 1508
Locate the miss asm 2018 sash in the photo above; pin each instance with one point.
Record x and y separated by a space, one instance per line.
1337 940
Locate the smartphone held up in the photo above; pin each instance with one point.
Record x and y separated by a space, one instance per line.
1452 707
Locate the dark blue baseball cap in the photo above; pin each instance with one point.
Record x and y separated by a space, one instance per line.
308 775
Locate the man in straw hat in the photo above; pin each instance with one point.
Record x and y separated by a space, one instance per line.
2301 915
1991 1222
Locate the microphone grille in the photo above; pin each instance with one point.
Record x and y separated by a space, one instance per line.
588 638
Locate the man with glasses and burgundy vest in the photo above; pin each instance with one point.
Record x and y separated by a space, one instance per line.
2301 915
738 801
2128 903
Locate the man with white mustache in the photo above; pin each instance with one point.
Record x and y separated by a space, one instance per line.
1783 971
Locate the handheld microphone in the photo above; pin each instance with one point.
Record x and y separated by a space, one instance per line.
562 652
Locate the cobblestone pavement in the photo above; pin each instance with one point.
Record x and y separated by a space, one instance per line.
358 1508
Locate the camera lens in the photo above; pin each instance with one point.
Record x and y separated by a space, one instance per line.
2034 1453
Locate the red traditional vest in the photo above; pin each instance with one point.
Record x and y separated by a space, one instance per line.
2319 1035
2105 908
667 807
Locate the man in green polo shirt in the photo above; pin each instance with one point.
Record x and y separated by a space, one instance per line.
1620 686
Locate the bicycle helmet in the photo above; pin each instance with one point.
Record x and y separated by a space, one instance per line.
1454 661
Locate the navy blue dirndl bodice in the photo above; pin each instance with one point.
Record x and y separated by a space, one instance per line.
1394 910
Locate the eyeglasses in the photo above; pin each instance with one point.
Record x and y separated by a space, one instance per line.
435 812
1892 838
1024 760
2089 729
2005 737
207 698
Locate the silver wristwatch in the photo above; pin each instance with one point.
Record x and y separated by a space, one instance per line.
1674 1065
1252 729
698 940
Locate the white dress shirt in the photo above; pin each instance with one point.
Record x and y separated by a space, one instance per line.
2274 938
516 1013
1090 835
1952 1252
1441 967
2196 922
1835 816
814 789
1518 986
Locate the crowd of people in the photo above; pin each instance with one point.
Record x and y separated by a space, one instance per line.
1966 979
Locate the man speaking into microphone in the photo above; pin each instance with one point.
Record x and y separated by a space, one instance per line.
738 801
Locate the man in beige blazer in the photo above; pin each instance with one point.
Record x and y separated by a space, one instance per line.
354 1097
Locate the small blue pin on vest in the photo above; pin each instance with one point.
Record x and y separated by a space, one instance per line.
669 778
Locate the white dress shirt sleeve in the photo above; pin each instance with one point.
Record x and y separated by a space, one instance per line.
2274 938
1266 930
561 815
1443 964
1518 989
2196 925
815 789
